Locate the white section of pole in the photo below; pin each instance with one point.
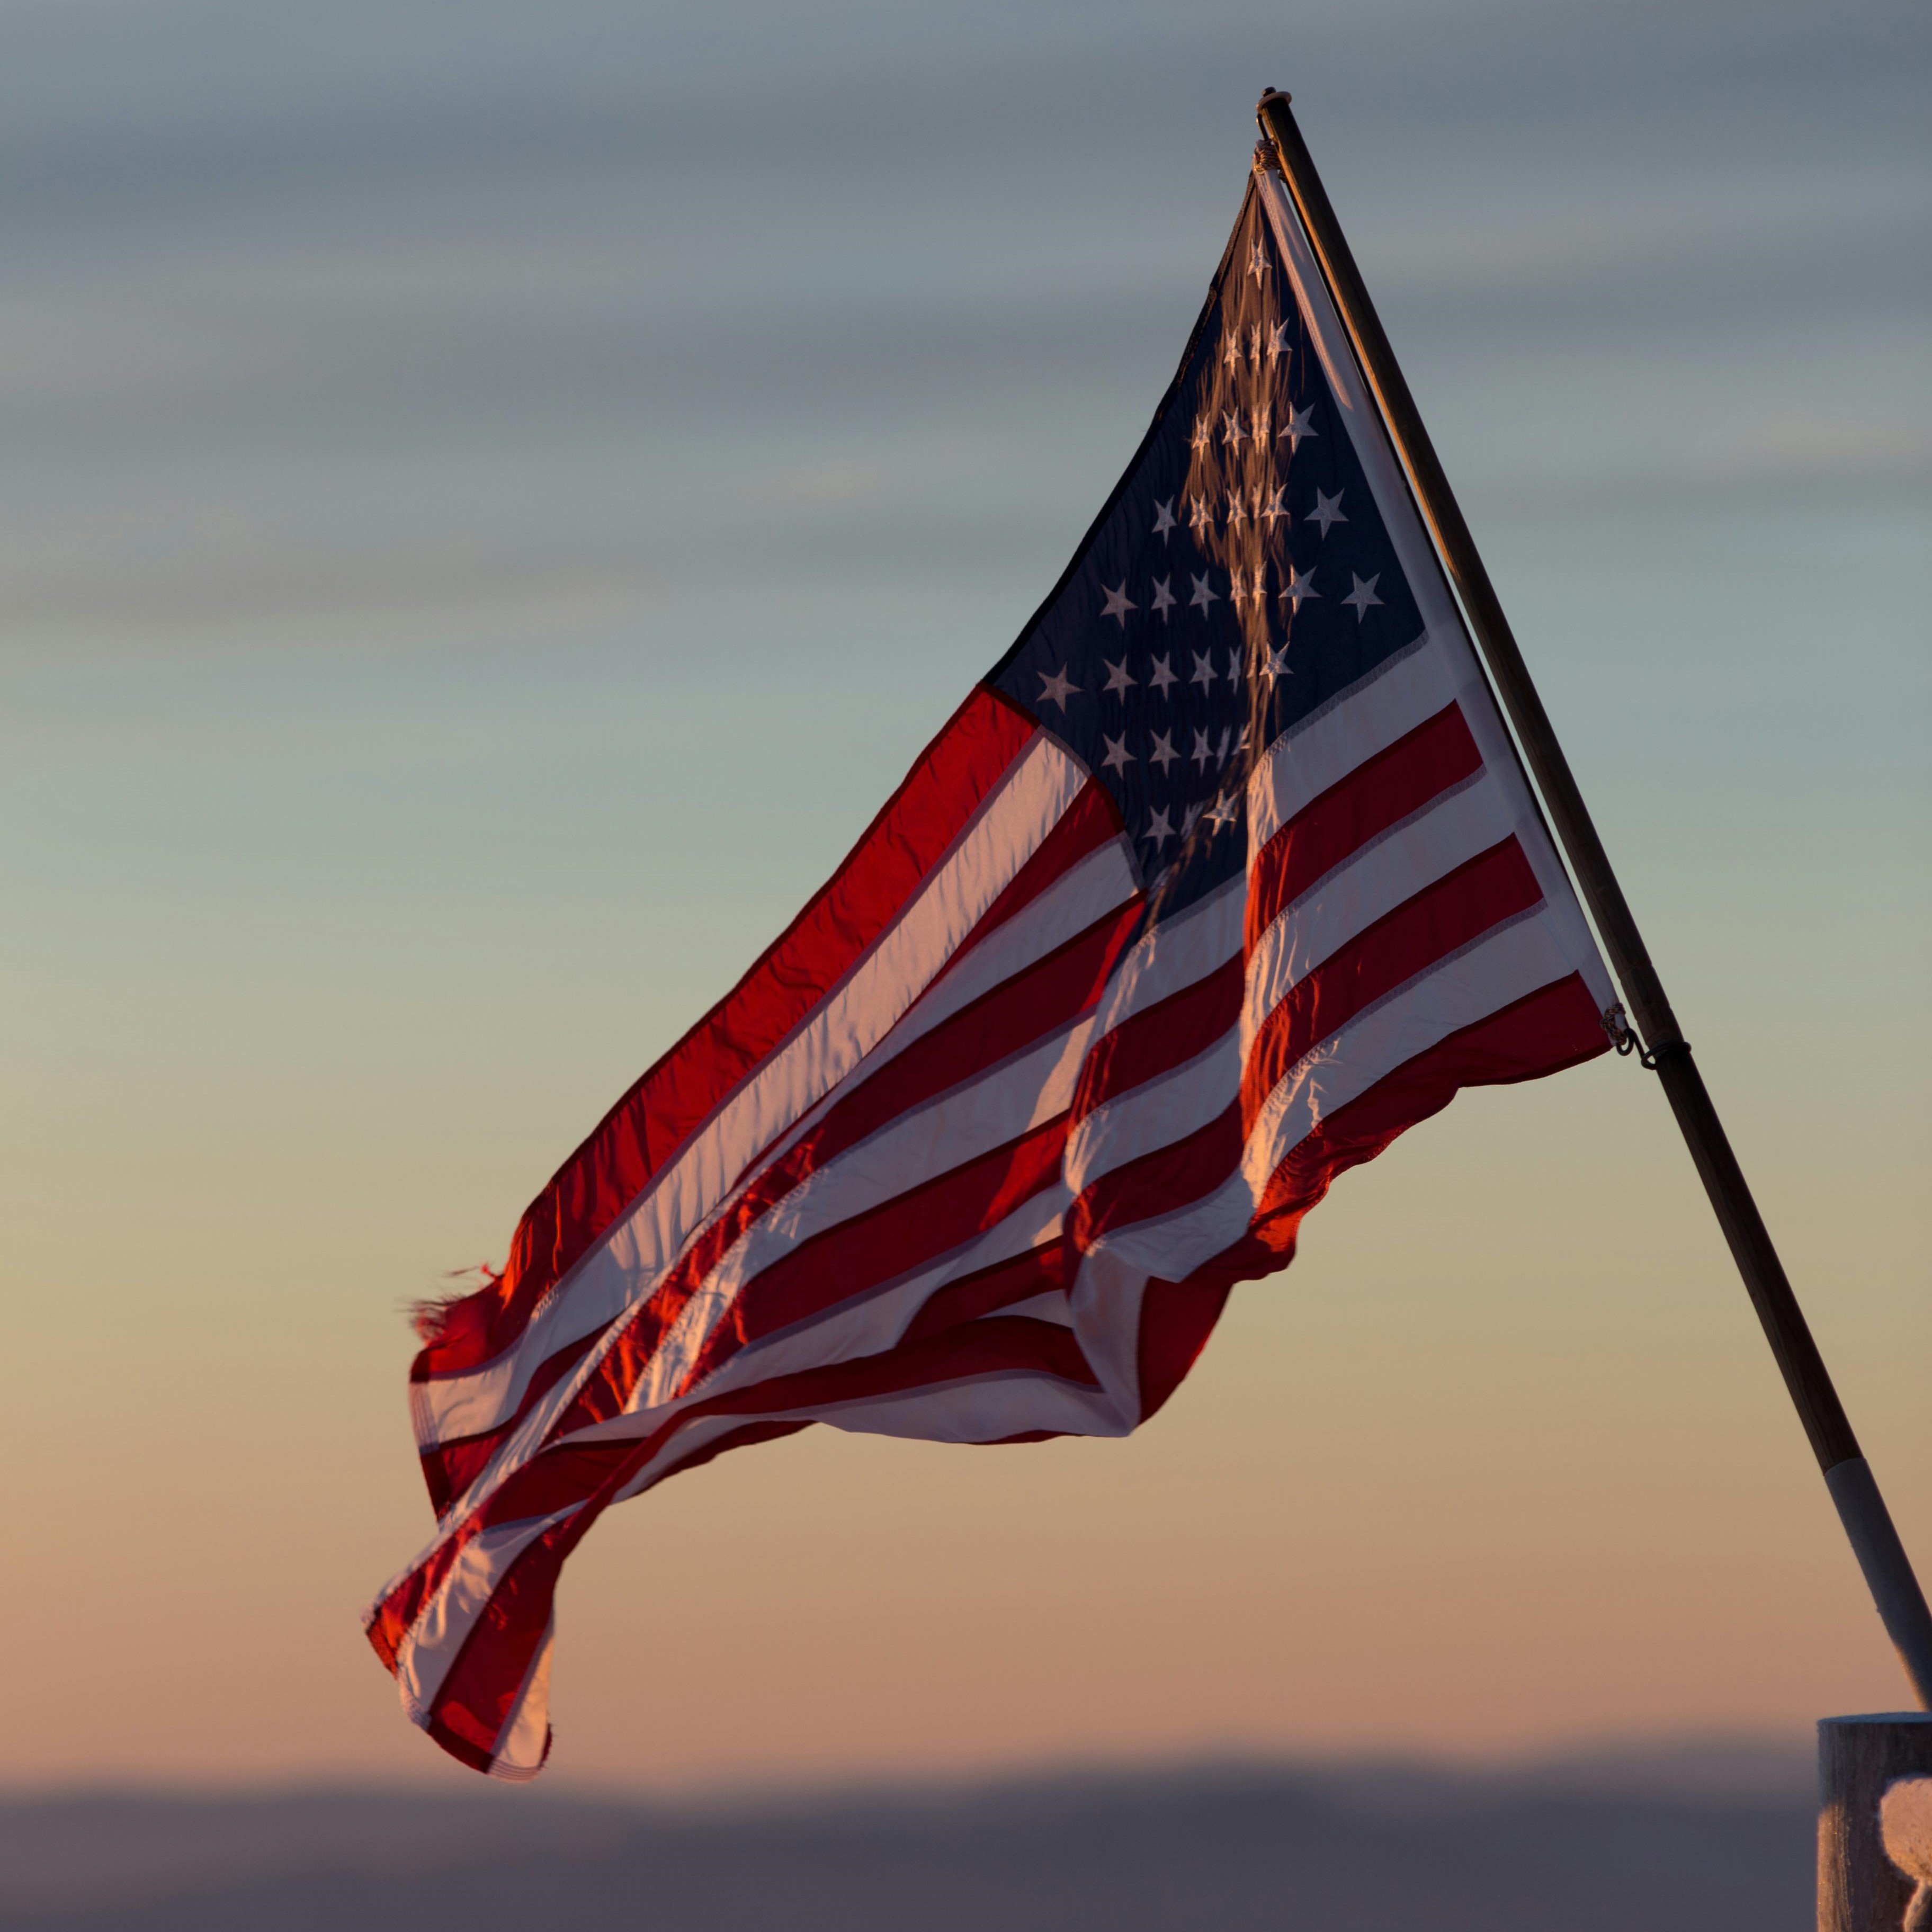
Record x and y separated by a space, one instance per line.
1860 1760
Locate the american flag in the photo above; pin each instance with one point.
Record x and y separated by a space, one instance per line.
1225 874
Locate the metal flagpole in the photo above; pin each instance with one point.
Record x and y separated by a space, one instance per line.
1888 1569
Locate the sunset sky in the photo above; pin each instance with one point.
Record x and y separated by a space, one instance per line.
493 497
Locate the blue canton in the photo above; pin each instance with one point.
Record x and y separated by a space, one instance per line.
1240 576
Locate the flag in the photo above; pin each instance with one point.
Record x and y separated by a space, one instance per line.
1224 875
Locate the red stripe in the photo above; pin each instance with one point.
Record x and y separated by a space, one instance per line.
391 1619
479 1691
451 1467
1161 1036
1379 793
1157 1182
1091 821
909 836
1176 1317
1555 1027
1019 1278
741 1437
1460 907
900 1234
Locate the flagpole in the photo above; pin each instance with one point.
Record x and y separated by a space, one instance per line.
1867 1523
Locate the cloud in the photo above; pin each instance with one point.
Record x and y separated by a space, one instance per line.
386 302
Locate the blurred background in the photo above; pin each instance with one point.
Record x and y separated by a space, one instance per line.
491 500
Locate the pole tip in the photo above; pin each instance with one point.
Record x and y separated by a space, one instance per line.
1268 93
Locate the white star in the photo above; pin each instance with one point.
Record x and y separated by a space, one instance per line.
1300 584
1363 595
1163 596
1204 670
1163 753
1204 433
1241 743
1199 516
1059 687
1233 433
1234 510
1276 665
1231 355
1118 683
1257 262
1118 604
1225 811
1158 828
1205 594
1277 341
1163 518
1162 676
1274 507
1189 819
1227 733
1116 759
1204 752
1327 511
1254 344
1260 430
1298 426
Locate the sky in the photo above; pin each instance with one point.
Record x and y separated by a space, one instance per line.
493 497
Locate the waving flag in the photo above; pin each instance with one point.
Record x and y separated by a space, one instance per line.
1224 875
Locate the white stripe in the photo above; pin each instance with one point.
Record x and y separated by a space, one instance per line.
1373 881
1322 749
1116 1270
1155 1113
1502 968
977 1409
623 1267
986 1409
1176 953
519 1754
1050 1306
430 1645
1101 883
